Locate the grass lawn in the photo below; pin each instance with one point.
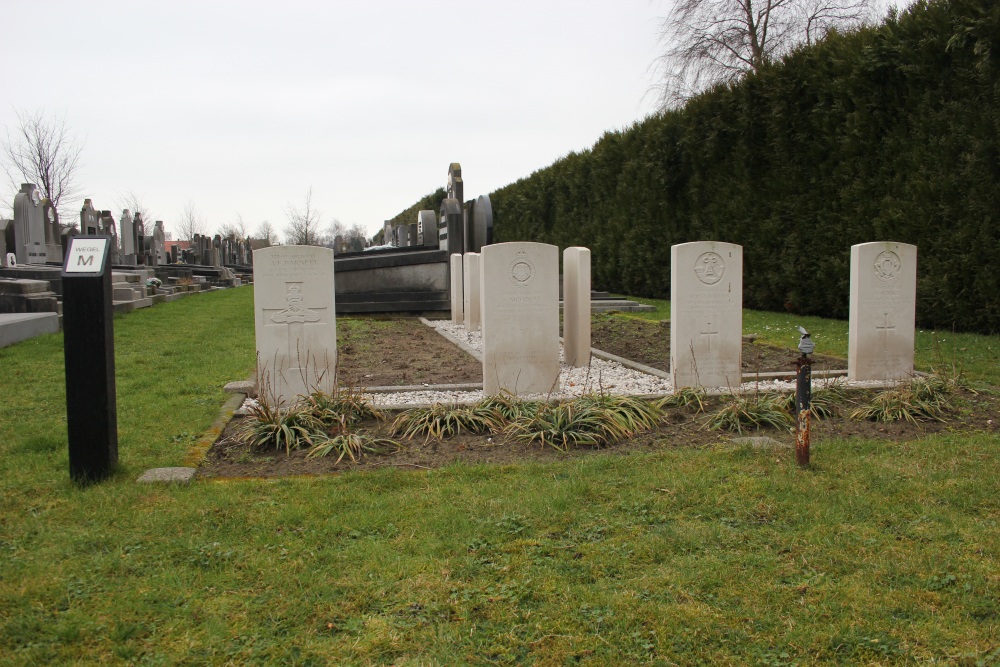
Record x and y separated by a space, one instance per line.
880 554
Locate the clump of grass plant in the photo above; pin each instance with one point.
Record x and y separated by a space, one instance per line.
624 416
825 402
692 399
342 407
270 427
923 399
563 426
751 410
508 407
352 446
442 421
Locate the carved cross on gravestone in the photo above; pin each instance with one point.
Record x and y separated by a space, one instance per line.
295 316
708 333
886 328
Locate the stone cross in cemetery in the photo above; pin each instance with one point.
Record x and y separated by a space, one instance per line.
471 291
706 314
520 317
576 307
882 311
29 226
295 321
457 285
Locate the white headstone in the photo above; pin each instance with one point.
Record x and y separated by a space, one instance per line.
471 291
882 311
520 317
295 321
457 289
576 306
706 314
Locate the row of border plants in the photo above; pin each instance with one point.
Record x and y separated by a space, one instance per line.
328 424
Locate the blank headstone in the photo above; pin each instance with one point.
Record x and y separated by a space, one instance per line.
520 317
457 290
470 291
882 311
295 321
706 314
576 306
427 224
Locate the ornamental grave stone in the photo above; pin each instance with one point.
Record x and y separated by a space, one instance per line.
520 317
882 311
29 224
706 318
295 321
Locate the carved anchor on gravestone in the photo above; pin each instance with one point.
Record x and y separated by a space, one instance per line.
295 316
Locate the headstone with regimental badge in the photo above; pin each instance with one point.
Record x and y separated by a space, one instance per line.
882 311
706 314
520 317
295 321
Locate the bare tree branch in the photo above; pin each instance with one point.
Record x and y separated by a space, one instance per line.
42 151
303 224
267 234
189 222
135 205
718 41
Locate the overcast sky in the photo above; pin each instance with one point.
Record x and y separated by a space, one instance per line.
241 107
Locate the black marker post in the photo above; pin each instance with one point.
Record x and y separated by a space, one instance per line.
89 346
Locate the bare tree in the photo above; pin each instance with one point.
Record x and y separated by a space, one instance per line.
189 222
266 234
303 224
42 151
335 229
135 205
718 41
237 229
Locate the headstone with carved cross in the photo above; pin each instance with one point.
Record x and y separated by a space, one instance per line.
295 322
882 311
706 314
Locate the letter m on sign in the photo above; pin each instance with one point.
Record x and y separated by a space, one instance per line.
85 261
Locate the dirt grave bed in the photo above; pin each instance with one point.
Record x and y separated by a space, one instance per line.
402 351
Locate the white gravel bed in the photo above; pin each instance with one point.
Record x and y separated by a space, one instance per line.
602 376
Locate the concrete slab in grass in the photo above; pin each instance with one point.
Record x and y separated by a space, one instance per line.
167 476
15 327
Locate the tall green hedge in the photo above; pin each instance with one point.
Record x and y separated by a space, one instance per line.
887 134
